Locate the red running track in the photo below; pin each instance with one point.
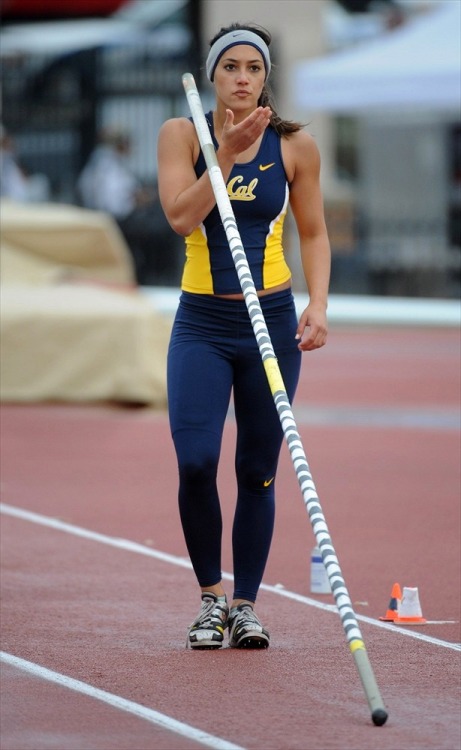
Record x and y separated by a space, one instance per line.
85 611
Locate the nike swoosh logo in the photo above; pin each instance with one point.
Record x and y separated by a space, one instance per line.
263 167
268 482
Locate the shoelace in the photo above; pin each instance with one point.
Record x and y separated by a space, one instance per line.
245 617
209 615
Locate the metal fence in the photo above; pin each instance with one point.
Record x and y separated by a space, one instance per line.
54 107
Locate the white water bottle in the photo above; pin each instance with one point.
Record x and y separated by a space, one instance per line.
320 583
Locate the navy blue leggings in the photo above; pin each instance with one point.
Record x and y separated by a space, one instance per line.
212 352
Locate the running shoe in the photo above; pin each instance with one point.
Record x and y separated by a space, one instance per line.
245 630
207 630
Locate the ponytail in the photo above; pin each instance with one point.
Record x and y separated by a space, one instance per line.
281 127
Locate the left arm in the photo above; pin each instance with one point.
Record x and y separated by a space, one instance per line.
303 169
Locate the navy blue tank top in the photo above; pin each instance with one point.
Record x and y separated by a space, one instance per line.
259 193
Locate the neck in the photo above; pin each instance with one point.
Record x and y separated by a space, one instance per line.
219 116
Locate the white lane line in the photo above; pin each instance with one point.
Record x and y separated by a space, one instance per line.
126 544
68 528
154 717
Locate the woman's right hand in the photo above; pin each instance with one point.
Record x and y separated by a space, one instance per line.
238 138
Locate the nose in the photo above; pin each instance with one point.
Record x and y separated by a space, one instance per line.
242 75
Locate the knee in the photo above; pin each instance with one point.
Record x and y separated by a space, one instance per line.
198 463
197 456
194 471
256 477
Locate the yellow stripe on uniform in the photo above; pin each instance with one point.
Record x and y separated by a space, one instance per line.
276 270
196 276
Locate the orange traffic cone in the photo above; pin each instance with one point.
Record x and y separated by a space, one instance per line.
393 609
410 609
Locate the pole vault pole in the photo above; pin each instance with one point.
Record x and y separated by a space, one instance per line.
319 526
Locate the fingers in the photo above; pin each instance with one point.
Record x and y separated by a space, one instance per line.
257 122
229 121
240 137
312 331
315 339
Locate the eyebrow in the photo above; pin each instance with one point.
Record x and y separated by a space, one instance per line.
235 60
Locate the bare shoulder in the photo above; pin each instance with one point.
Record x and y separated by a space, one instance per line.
177 127
301 143
300 152
177 139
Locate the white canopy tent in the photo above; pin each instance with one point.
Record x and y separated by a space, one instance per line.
130 25
417 65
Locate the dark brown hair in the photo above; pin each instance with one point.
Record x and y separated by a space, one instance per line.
282 127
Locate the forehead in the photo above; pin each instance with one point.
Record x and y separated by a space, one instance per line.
245 52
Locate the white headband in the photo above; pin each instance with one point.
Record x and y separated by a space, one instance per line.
231 39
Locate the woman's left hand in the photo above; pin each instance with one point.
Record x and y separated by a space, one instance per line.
312 329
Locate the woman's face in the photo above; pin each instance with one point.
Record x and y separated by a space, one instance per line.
239 77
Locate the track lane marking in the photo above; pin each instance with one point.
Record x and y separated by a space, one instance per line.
122 704
129 546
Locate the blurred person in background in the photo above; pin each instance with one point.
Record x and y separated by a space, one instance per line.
107 183
14 182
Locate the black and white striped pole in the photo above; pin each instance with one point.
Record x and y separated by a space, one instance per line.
319 526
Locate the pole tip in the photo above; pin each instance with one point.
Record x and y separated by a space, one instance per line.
379 717
188 79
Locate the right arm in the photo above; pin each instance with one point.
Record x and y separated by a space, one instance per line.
186 200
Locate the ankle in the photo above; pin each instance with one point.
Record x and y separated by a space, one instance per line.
238 602
217 590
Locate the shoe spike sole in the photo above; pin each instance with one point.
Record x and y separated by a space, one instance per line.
253 643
